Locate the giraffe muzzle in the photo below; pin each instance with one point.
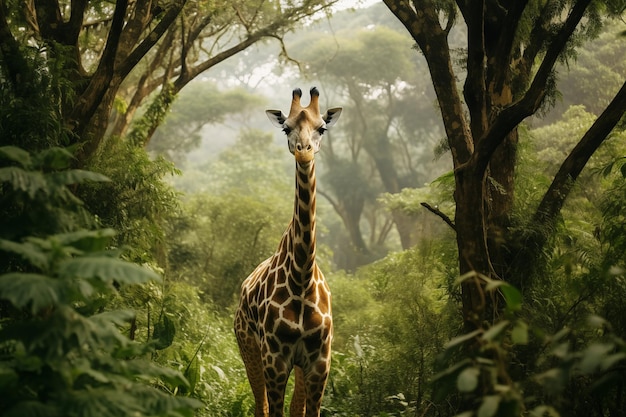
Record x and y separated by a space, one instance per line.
304 153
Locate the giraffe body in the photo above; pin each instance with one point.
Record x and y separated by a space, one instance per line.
284 320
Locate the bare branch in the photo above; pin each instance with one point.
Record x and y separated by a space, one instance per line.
439 213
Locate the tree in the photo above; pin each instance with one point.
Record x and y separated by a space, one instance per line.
128 49
373 152
510 56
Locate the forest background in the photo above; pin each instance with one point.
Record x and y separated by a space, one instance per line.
130 215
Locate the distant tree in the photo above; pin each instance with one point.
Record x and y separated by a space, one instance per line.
126 50
511 52
196 107
375 151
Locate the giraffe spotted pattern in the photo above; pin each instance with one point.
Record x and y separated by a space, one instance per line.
284 321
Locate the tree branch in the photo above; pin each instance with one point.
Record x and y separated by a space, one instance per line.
513 115
563 182
90 99
13 61
149 41
439 213
423 25
474 90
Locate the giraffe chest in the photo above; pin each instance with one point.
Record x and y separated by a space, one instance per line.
289 311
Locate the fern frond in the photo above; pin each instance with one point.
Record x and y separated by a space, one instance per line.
15 154
28 251
34 291
19 179
106 270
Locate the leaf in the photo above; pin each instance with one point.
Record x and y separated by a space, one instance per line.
86 240
15 154
117 317
489 406
107 270
544 411
192 373
512 297
519 333
76 176
611 360
452 369
22 180
164 332
495 330
219 372
461 339
28 252
22 289
8 377
54 158
467 381
593 356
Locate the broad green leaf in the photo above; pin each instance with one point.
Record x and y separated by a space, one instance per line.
15 154
489 406
467 381
29 182
512 296
465 414
86 240
28 251
192 373
76 176
462 338
611 360
54 158
24 289
594 355
117 317
452 369
519 333
596 321
8 377
495 330
164 332
107 270
467 276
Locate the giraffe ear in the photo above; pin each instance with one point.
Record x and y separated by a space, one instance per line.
276 117
331 116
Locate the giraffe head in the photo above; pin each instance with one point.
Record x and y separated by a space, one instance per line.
305 125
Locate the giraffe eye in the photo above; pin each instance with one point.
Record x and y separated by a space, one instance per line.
287 130
321 130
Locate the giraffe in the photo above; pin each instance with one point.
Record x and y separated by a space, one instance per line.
284 320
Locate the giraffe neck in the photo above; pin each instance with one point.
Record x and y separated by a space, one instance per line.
302 229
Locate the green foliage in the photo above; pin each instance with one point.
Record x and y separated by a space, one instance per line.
390 318
488 371
197 106
217 241
36 198
138 200
61 353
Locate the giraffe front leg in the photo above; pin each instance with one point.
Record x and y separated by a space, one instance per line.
298 401
276 376
251 355
315 378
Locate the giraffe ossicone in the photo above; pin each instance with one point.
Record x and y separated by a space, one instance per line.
284 320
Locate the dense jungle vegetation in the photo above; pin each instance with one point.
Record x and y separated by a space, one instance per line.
472 210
